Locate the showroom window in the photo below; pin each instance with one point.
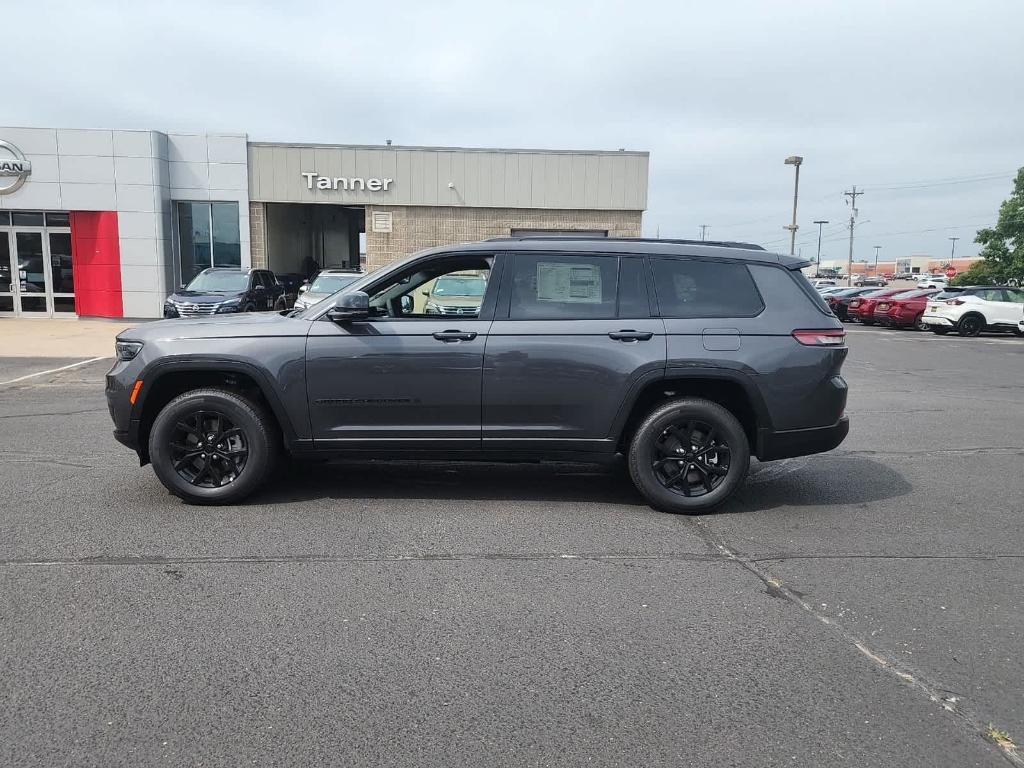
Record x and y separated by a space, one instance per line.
208 236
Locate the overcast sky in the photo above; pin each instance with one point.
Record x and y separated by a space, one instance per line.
878 93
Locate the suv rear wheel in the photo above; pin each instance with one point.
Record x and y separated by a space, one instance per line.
689 455
212 446
971 325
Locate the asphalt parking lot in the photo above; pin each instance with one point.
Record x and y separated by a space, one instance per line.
862 607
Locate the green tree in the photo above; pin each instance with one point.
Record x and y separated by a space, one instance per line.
979 273
1003 244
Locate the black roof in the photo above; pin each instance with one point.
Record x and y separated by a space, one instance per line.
629 246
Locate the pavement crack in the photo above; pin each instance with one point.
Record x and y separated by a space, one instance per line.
147 560
862 556
935 692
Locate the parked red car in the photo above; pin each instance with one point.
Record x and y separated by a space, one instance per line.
863 307
904 310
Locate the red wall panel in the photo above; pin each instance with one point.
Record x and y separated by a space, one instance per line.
97 263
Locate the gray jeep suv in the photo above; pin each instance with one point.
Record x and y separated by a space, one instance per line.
689 358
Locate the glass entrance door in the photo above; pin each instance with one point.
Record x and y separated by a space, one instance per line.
8 272
31 281
36 274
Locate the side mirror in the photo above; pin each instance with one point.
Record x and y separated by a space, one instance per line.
425 293
354 305
407 303
304 287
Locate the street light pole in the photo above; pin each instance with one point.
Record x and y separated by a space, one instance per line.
953 249
794 160
820 223
876 258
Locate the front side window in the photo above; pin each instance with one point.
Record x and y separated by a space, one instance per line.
439 288
208 236
560 287
696 288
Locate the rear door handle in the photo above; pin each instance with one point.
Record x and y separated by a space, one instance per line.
455 335
631 335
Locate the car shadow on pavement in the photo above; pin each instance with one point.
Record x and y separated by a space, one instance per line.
827 480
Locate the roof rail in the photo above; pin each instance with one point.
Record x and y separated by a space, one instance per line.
569 236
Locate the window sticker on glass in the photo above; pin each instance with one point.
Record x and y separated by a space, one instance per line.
572 283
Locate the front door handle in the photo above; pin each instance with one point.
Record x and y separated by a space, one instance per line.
631 335
455 335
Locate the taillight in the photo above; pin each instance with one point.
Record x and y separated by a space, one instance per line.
833 337
955 302
854 303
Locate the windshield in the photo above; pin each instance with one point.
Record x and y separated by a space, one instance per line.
331 283
459 286
219 282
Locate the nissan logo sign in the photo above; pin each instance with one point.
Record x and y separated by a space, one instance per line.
14 168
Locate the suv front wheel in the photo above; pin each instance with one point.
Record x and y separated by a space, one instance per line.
212 446
689 455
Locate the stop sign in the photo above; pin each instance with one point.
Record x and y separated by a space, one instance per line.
950 271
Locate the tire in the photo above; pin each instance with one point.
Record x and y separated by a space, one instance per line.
280 304
868 321
657 435
919 324
249 308
252 429
941 330
971 325
1017 332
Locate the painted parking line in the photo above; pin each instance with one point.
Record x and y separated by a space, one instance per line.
54 370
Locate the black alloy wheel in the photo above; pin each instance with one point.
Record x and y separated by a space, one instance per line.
207 449
970 325
691 458
213 446
688 455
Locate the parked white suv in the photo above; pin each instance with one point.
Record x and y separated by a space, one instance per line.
932 281
973 309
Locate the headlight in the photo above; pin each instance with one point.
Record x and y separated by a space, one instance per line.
127 350
433 308
229 306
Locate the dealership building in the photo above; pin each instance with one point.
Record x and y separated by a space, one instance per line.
108 222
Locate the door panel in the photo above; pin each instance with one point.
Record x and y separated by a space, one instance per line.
391 381
575 337
559 384
8 273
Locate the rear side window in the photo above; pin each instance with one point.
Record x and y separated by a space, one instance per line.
558 287
697 288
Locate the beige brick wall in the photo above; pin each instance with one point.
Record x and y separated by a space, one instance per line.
258 234
416 227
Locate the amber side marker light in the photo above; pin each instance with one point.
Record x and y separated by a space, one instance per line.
135 391
827 338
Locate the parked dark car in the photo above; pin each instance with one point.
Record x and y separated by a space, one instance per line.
839 301
687 357
219 290
876 281
904 310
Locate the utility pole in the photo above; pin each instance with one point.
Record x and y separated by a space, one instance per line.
852 194
817 261
794 160
953 249
703 229
876 258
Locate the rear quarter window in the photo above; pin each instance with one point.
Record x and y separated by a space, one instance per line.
790 287
698 288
